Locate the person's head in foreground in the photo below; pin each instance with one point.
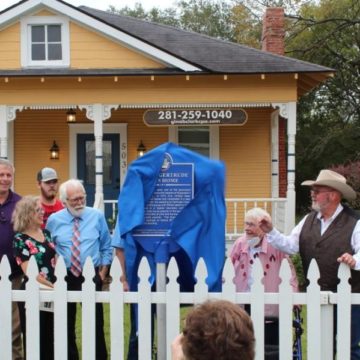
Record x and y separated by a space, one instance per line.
217 330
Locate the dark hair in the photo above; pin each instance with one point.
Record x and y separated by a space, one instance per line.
218 330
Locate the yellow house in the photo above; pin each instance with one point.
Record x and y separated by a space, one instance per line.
131 83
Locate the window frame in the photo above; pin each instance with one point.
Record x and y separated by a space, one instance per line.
214 131
26 26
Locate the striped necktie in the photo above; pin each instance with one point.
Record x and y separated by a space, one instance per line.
75 266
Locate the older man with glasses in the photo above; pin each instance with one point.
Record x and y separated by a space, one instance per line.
330 234
78 232
8 200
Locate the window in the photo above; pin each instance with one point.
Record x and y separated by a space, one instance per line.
45 41
195 138
203 139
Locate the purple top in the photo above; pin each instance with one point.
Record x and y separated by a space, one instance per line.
7 232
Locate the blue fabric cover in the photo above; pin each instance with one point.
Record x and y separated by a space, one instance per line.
199 229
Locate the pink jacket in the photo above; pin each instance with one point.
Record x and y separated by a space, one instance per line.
270 258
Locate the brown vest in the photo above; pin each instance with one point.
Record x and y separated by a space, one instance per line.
326 248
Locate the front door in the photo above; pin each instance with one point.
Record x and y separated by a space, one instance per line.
111 167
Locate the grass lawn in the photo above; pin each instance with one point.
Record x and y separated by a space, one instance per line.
107 326
184 310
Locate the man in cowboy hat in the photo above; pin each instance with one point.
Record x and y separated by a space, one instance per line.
330 234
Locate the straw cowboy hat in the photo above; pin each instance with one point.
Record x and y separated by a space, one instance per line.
334 180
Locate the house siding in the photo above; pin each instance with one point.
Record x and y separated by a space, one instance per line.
89 50
34 132
10 47
140 90
246 151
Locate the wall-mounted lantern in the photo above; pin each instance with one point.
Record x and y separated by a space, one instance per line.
54 151
71 116
141 149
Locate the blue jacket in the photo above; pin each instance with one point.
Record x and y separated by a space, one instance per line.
199 229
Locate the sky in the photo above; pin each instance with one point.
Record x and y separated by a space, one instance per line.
104 4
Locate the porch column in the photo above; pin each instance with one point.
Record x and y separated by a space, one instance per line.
288 111
291 194
7 114
98 113
275 154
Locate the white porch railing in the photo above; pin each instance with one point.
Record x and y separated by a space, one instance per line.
319 309
236 209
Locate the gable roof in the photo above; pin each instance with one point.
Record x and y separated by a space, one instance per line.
205 52
182 51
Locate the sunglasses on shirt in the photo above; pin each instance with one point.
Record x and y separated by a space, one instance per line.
3 219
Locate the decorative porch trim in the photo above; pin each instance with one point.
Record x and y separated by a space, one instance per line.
192 105
92 111
283 109
51 107
11 112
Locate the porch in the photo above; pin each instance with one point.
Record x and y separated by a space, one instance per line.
236 209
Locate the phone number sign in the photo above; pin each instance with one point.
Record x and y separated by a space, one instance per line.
184 117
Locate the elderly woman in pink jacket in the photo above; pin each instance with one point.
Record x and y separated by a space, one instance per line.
251 245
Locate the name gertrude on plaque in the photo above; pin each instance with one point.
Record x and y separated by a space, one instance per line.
195 117
174 189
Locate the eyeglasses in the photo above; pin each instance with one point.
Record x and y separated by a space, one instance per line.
78 199
316 192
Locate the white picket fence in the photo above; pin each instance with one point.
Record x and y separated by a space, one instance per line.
319 309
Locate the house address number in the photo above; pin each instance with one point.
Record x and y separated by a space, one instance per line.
195 117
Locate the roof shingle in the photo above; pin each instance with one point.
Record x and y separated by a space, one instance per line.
211 54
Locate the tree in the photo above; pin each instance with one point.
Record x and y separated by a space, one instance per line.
326 33
209 17
328 117
167 16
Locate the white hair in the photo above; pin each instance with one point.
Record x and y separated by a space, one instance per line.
71 183
257 214
7 164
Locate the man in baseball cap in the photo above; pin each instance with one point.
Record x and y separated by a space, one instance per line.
48 184
330 234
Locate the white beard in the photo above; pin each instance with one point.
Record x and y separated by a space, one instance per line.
76 212
315 206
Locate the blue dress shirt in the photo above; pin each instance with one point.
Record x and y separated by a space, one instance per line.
95 239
